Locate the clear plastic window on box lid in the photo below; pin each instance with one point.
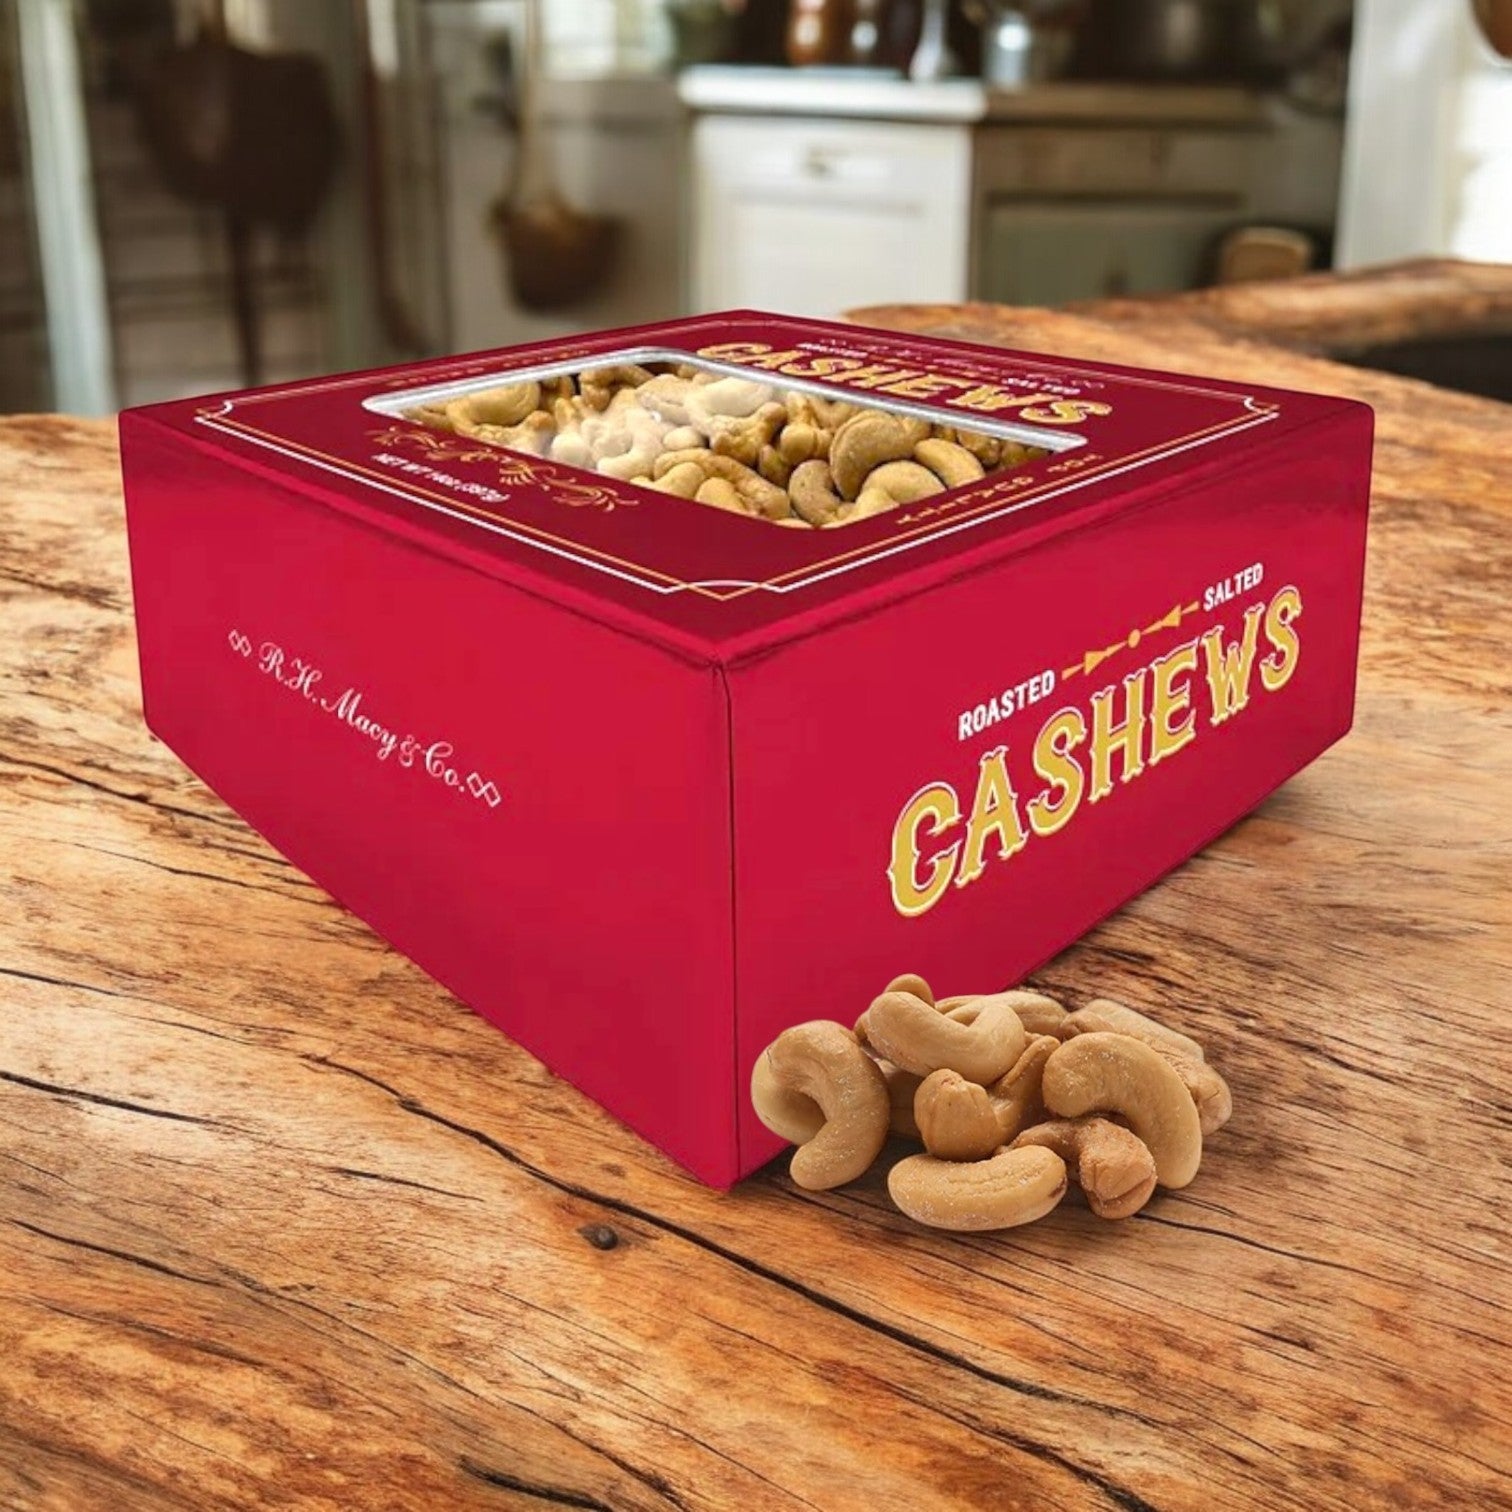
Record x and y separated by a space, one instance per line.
800 455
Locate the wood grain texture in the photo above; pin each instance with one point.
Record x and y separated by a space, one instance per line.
1330 312
283 1225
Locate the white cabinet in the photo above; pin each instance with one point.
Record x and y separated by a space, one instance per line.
812 217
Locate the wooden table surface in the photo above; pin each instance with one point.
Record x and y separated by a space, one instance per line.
283 1224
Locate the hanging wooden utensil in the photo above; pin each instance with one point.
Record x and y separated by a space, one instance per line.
252 133
557 255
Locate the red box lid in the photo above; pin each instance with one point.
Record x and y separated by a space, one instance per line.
706 582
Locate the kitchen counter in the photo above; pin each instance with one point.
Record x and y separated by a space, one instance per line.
284 1224
886 96
1431 298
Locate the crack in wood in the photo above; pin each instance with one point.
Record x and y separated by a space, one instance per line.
103 1101
554 1494
117 1254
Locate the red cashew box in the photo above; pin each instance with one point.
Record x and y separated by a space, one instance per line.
645 781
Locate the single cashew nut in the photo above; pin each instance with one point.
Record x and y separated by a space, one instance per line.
868 440
980 1041
953 465
1010 1188
902 482
1111 1073
912 982
629 464
1215 1103
684 480
988 450
955 1117
794 1116
1038 1012
667 396
1016 1095
1104 1016
1110 1163
773 467
802 440
823 1062
507 405
812 488
721 494
533 434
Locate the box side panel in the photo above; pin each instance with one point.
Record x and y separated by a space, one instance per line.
531 806
964 783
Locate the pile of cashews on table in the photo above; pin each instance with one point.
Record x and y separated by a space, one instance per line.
1012 1097
791 457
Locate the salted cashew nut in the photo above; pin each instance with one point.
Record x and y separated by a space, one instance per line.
891 485
667 396
712 406
794 1116
802 441
1009 1188
1215 1103
1103 1015
1111 1073
955 1117
772 466
866 441
684 480
1038 1012
1110 1163
953 465
823 1062
533 434
812 489
506 406
721 494
981 1041
912 982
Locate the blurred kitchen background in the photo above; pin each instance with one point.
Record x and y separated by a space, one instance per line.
199 194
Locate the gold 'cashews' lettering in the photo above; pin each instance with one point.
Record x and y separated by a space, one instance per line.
934 809
1229 666
1066 411
1277 668
1169 700
1123 738
1142 720
994 811
908 383
1054 809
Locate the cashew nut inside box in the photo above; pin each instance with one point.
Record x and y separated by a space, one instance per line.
659 690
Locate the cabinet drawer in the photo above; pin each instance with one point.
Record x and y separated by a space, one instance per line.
821 155
1108 160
